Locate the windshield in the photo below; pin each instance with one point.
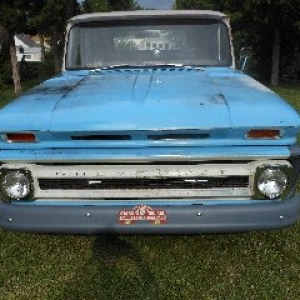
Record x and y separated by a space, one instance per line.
190 43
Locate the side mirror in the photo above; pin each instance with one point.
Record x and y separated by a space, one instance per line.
243 62
245 55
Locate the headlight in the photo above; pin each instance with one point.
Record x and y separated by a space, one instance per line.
16 184
272 182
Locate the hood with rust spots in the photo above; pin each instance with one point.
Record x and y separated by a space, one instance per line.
153 99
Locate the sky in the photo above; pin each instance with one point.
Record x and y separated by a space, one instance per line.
157 4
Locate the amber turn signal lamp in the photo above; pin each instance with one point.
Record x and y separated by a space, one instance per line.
20 137
268 134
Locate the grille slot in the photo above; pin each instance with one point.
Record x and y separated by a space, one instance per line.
172 135
102 137
201 183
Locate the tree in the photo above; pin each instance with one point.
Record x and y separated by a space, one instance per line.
94 6
270 27
14 19
44 17
276 20
122 5
5 69
194 4
51 21
109 5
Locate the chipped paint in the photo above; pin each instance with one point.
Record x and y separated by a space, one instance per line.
123 149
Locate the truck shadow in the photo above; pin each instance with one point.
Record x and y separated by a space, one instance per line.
116 269
139 267
109 249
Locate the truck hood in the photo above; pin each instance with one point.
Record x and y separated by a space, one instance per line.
150 99
144 101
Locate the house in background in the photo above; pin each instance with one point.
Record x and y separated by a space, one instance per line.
27 49
38 40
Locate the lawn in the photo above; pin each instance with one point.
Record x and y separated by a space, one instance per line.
261 265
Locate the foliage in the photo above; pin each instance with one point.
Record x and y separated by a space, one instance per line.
122 5
37 70
94 6
15 14
5 72
43 17
5 75
194 4
51 21
14 18
109 5
254 23
263 20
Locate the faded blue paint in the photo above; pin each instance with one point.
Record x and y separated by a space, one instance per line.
146 154
211 110
159 99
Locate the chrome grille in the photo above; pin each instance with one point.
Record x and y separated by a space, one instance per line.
144 183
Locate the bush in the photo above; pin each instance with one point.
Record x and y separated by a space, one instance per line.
37 70
5 75
5 70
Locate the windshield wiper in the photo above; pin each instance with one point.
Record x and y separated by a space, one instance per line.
180 66
148 65
145 65
120 66
164 65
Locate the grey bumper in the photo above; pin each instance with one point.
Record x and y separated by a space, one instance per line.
190 219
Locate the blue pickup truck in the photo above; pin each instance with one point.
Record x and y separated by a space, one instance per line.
149 129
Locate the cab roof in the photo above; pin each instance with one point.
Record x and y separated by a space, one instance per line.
148 14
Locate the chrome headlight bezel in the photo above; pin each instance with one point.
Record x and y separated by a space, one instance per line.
23 178
277 178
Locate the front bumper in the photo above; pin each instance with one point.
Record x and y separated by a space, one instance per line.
180 219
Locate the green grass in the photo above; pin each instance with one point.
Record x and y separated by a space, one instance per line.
248 266
290 92
7 94
261 265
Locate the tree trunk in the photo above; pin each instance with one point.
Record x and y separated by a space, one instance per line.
56 53
275 58
3 33
14 64
43 52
